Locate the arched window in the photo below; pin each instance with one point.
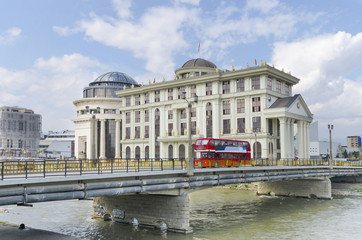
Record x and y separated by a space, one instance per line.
181 152
209 120
147 152
170 151
257 150
128 152
138 152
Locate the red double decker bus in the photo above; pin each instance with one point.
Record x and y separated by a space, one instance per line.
211 152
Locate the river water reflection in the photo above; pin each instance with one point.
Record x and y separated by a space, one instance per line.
216 213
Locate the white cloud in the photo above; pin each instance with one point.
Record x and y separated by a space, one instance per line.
50 87
192 2
65 31
323 63
123 8
10 35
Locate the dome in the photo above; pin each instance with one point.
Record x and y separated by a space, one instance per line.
116 77
198 62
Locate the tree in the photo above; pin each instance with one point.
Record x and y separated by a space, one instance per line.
345 154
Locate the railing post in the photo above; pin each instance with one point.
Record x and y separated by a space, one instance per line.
2 170
112 165
44 168
138 164
161 165
173 164
65 168
81 167
151 165
26 169
127 165
99 166
182 164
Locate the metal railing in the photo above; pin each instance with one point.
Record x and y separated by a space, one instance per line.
43 168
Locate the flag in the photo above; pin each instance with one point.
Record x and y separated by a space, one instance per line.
199 48
256 63
154 80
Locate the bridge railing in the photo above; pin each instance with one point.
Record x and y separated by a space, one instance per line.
44 168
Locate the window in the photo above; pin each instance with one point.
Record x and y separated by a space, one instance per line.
180 91
278 87
193 112
256 104
128 133
128 117
137 100
209 88
147 116
240 125
193 127
208 120
225 87
157 122
269 83
147 98
255 83
137 117
226 107
240 105
193 90
170 114
226 126
137 131
256 124
183 128
147 131
170 94
170 127
128 101
157 95
287 89
183 113
240 87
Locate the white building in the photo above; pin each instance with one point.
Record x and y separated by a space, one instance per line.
254 104
19 132
57 144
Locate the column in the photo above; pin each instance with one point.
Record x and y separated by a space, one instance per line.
91 152
307 140
287 138
216 117
283 138
291 138
300 139
118 138
103 140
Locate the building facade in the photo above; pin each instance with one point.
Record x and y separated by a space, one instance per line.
57 144
151 121
353 141
20 130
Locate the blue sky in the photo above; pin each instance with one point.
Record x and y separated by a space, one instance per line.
51 50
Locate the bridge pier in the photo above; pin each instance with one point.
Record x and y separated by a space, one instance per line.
161 211
312 187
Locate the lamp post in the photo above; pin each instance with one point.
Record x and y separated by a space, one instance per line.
330 128
190 165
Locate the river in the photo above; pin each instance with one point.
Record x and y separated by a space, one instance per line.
216 213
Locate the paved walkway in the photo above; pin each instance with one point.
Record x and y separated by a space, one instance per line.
9 231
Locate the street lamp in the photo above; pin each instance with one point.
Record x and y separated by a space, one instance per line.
330 128
190 165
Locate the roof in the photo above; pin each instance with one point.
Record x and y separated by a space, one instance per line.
284 102
198 62
116 77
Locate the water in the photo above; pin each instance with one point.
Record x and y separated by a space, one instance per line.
215 214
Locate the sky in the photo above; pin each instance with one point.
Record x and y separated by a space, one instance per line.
51 50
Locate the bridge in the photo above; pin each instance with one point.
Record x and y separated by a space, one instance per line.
154 192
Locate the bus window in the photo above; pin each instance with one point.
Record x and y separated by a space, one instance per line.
217 155
211 155
205 142
217 143
240 144
224 143
230 143
246 144
204 155
198 142
212 143
235 144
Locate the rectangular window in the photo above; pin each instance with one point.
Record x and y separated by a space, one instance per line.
183 128
170 127
180 91
240 85
209 88
278 87
255 83
240 125
137 131
147 116
137 116
170 94
157 95
147 98
193 127
128 117
226 126
193 90
256 104
137 100
128 101
287 89
240 105
256 124
183 113
193 112
128 133
269 83
225 87
226 107
170 114
147 131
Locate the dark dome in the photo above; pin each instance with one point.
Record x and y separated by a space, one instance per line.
198 62
116 77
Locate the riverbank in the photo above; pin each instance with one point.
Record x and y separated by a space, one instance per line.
10 231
